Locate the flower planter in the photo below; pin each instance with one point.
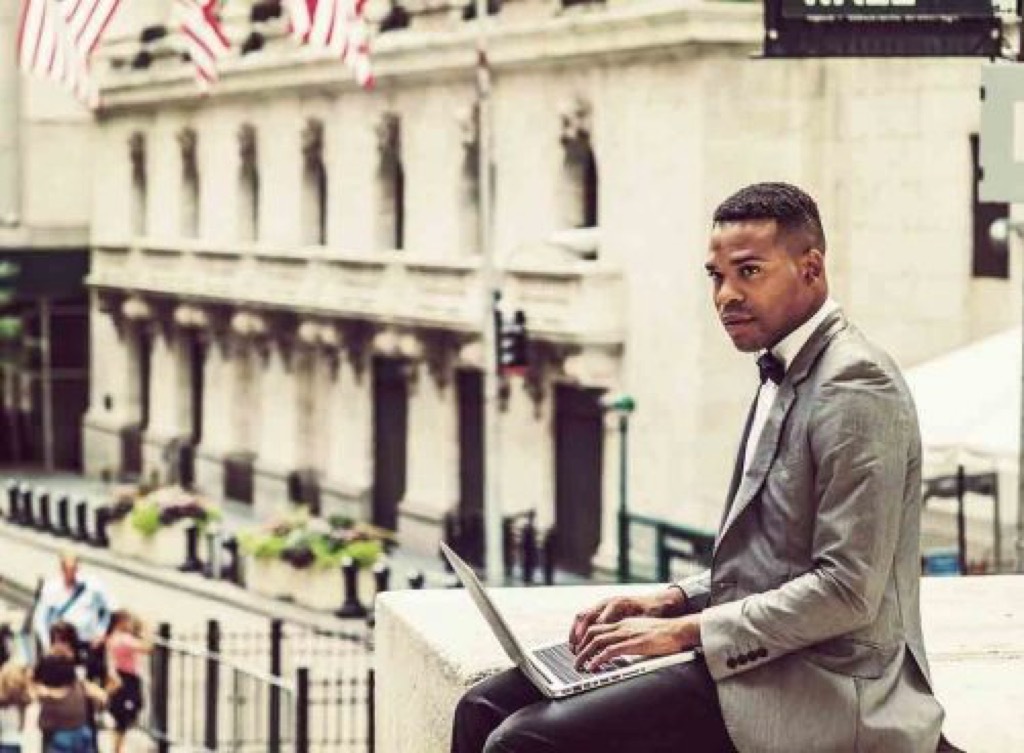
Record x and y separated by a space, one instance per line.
167 546
125 539
269 577
324 588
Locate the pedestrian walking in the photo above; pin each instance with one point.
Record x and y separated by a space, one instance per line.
14 698
67 702
83 603
126 644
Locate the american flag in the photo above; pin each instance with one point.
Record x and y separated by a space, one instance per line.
338 26
204 37
57 37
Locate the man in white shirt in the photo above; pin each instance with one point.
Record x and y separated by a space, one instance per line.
82 602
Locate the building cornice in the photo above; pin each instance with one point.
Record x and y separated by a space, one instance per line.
413 56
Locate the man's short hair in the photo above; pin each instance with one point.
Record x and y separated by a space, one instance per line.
794 211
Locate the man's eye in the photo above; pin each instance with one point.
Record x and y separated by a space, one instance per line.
715 276
750 270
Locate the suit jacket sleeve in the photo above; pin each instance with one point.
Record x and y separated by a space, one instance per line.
858 436
696 589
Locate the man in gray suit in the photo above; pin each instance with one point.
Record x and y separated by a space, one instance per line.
808 619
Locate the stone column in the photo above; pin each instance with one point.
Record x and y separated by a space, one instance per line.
109 392
168 398
528 448
218 388
278 446
348 469
432 477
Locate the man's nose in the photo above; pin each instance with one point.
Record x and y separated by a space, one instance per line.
727 295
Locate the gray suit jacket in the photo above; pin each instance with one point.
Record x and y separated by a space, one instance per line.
811 625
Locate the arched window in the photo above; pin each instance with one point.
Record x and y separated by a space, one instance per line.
579 184
314 185
390 184
189 184
137 159
248 184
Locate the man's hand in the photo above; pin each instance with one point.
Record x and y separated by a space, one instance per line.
637 636
663 603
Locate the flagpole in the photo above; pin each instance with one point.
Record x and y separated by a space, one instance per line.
494 556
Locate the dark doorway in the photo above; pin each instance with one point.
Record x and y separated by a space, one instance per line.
390 411
579 440
471 466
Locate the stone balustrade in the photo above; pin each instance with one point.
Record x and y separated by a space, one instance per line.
431 645
577 302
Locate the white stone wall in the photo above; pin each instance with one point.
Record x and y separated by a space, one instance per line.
680 119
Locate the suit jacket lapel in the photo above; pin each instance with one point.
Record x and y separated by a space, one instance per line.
751 482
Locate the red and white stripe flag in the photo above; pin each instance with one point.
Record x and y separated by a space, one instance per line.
338 26
204 37
56 39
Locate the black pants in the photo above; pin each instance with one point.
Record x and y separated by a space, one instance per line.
671 710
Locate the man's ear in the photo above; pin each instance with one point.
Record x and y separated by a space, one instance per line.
813 264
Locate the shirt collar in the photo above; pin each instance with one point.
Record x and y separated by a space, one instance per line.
787 349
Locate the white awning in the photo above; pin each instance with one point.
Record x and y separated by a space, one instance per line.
968 402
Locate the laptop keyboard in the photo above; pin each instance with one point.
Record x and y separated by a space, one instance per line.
562 662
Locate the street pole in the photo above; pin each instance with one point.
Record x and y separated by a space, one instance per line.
624 575
46 381
493 553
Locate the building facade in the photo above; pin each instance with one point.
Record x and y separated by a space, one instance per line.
286 296
45 184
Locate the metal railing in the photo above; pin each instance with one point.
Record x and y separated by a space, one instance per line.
678 550
208 694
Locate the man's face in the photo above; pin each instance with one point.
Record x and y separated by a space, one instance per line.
762 290
69 569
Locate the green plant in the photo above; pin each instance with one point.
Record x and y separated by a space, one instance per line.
145 518
261 544
364 553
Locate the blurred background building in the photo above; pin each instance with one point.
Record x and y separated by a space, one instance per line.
284 278
45 189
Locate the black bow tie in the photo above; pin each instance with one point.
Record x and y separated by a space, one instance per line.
770 367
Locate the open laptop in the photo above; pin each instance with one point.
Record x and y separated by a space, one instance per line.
552 667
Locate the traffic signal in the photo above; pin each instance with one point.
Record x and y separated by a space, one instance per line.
512 341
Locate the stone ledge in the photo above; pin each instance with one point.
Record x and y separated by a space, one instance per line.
431 645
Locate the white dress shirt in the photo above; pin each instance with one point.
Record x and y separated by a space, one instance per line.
786 350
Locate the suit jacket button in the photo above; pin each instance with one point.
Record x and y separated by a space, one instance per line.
730 663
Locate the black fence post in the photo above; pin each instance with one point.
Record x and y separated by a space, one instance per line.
101 515
381 576
508 546
44 522
415 579
548 564
161 686
230 570
63 527
302 710
82 520
352 606
274 699
529 549
371 708
212 681
28 515
13 499
192 563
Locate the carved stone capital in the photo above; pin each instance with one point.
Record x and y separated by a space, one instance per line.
388 137
187 144
137 154
576 125
247 145
313 143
